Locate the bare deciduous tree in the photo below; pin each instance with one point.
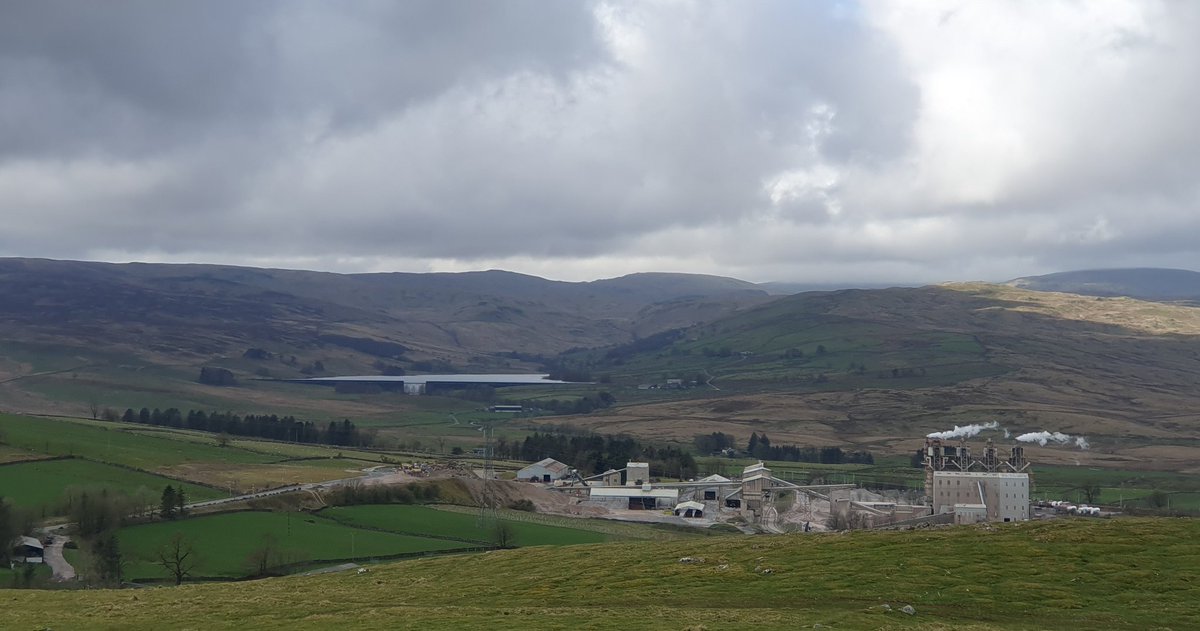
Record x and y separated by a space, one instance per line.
503 535
178 557
265 557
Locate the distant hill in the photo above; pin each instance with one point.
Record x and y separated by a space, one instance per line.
1142 283
197 313
788 288
872 367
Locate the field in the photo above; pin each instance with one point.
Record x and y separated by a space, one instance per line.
34 485
1080 574
10 454
110 442
224 542
426 521
126 457
15 577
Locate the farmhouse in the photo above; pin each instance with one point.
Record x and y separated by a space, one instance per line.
546 470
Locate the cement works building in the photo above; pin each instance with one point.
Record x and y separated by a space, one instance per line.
973 489
975 496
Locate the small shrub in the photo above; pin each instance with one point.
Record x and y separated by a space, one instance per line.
524 505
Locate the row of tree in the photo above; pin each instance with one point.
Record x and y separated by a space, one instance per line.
760 447
714 443
286 428
593 454
582 405
411 493
13 523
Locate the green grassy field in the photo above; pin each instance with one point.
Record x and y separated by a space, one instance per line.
242 465
110 443
15 577
33 485
423 520
224 542
11 454
1076 574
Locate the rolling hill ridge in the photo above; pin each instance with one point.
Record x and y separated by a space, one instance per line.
1141 283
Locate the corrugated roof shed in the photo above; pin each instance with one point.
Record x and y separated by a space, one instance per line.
552 465
30 542
633 491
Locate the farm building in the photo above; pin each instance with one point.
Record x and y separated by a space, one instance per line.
28 550
642 497
546 470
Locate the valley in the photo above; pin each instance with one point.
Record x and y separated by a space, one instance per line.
866 373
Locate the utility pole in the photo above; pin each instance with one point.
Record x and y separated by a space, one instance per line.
487 508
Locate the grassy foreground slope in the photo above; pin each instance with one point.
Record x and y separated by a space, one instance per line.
1111 574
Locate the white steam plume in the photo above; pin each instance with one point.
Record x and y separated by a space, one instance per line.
964 431
1042 438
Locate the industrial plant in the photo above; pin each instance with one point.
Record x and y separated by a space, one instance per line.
976 489
960 488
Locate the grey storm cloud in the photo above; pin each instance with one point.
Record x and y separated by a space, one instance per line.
769 140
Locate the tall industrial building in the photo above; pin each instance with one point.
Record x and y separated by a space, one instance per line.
977 489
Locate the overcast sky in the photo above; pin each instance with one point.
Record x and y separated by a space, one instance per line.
794 141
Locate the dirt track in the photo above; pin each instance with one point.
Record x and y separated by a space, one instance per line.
54 558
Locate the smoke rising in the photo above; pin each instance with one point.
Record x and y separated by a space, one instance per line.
965 431
1043 438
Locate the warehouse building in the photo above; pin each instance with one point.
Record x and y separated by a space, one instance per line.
546 471
643 497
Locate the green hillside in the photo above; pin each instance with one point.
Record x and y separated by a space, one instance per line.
880 369
224 542
41 484
1081 574
802 342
